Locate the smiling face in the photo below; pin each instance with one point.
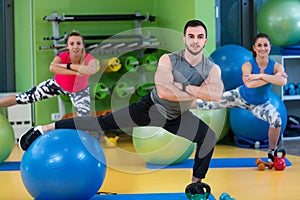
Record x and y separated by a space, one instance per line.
195 39
262 47
75 46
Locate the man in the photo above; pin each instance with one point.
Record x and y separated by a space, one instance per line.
180 79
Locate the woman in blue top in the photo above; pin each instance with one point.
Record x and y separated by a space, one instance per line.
259 74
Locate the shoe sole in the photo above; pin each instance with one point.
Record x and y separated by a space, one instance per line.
20 138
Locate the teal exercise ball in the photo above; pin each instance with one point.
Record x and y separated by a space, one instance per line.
217 120
159 147
7 138
281 21
63 164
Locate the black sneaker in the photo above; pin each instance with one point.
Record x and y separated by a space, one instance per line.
270 156
28 137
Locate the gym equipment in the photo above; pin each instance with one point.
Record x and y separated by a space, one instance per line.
7 138
217 120
262 164
160 147
279 161
123 90
290 89
130 63
230 58
100 91
144 89
111 65
137 17
197 191
117 17
280 20
297 88
248 129
63 164
150 62
226 196
111 142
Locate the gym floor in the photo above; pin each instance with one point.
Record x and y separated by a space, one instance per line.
129 175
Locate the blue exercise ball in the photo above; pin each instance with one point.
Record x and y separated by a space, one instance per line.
280 20
230 58
246 125
63 164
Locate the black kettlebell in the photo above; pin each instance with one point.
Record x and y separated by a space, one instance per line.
197 191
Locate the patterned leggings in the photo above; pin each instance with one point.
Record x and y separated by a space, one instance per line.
232 98
49 88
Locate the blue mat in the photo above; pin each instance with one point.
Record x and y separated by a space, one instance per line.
150 196
217 163
10 166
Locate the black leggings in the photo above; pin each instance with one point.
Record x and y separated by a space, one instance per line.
144 113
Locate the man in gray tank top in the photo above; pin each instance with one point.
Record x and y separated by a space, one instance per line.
181 78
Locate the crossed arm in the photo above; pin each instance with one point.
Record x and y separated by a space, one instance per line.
210 90
76 69
256 80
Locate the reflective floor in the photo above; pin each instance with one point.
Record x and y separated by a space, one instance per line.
127 174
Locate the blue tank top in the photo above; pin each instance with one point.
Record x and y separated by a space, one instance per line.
258 95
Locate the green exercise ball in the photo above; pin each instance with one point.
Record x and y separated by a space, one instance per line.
160 147
280 20
217 120
7 138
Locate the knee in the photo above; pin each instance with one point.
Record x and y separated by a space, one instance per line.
277 122
209 138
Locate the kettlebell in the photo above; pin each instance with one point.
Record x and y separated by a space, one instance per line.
197 191
279 162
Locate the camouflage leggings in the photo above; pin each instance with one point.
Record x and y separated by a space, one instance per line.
49 88
232 98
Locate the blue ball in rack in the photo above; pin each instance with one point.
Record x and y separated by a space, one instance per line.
297 89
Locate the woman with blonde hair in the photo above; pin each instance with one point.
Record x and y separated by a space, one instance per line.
72 69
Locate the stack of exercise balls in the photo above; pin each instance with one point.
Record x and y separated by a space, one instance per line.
280 20
7 138
63 164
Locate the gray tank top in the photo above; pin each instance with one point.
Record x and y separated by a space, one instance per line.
182 71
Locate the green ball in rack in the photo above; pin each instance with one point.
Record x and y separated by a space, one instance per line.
101 91
123 90
131 63
144 89
150 62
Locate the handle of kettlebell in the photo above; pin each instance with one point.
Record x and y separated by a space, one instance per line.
281 150
207 187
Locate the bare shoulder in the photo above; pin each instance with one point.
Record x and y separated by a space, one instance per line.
164 59
278 67
247 66
57 60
